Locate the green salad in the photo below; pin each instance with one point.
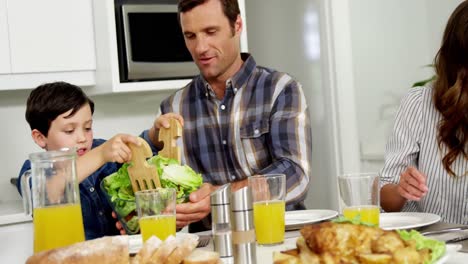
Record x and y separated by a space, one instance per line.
171 175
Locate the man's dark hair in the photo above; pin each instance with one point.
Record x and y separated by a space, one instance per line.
50 100
230 8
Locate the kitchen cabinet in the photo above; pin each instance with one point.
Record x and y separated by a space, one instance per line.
46 40
107 64
4 43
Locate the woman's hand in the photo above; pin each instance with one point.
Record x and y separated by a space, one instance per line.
412 185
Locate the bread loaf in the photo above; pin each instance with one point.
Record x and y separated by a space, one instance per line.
184 248
105 250
200 256
149 247
114 250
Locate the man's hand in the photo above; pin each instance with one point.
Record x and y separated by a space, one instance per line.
197 208
412 185
162 121
116 149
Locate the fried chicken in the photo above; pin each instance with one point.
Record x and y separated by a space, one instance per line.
348 243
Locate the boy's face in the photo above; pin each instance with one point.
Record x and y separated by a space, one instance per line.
69 131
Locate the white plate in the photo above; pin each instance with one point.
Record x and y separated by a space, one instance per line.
450 250
297 219
135 241
406 220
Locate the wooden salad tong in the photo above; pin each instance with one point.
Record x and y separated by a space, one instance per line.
144 176
169 137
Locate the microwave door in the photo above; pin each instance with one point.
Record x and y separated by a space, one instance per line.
169 70
154 43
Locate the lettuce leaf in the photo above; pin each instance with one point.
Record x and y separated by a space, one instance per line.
356 221
436 247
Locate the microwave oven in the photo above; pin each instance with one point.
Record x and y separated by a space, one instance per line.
151 44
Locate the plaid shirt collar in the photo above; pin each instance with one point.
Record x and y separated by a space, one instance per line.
235 82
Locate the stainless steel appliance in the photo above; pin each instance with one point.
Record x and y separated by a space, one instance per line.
151 43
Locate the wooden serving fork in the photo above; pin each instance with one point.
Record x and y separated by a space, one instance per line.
144 176
169 137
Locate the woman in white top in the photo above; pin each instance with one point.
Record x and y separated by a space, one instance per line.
426 159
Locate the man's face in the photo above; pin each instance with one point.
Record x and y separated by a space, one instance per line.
213 44
71 131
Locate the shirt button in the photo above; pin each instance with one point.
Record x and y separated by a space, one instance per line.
256 131
233 177
91 189
224 142
223 107
235 89
101 213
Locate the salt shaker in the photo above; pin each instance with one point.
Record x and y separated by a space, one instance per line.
221 223
243 232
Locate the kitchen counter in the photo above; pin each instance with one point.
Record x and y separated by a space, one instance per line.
17 242
12 212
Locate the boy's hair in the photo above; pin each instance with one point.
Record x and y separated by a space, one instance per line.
50 100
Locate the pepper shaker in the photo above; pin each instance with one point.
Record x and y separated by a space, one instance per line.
243 231
221 223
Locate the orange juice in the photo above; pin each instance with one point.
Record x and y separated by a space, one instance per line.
57 226
269 221
368 214
161 226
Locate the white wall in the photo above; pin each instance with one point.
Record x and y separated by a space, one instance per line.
391 42
285 35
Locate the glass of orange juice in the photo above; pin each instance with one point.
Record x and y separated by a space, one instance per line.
156 212
359 197
268 195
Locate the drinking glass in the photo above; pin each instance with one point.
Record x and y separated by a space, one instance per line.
156 212
55 207
359 197
268 194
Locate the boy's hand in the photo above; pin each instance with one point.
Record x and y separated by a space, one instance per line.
118 225
116 149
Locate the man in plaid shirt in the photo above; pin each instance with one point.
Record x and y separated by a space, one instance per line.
239 119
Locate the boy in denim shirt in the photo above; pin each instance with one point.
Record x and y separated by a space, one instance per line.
61 115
